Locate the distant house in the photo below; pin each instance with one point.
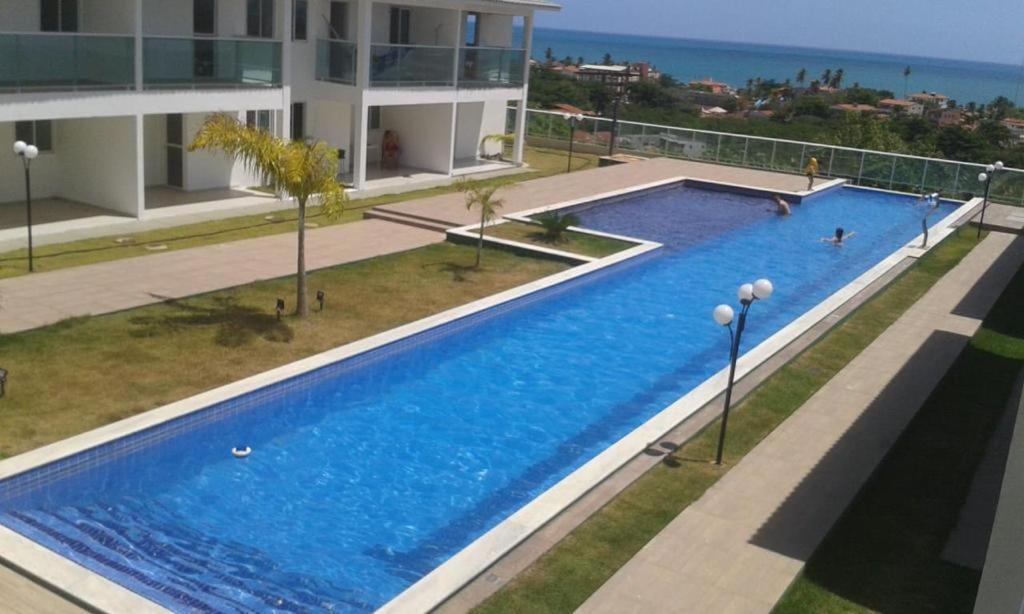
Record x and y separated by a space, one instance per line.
708 84
944 118
901 107
854 108
617 77
712 112
930 100
571 110
1016 128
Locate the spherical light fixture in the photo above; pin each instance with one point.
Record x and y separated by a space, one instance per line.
763 289
19 147
990 168
746 293
982 177
31 152
723 315
998 165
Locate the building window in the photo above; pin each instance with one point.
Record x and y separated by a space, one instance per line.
260 18
472 29
337 21
58 15
374 118
38 133
300 19
204 17
260 119
298 121
399 33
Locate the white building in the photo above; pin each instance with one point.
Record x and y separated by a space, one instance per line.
112 91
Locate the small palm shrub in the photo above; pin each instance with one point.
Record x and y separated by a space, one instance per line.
555 225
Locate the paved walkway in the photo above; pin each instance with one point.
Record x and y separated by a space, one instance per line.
740 546
36 300
451 208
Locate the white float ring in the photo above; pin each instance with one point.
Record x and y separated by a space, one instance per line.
241 452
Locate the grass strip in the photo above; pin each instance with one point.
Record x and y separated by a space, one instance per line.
574 242
569 573
544 162
885 554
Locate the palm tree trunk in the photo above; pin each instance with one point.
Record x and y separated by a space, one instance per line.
480 239
301 306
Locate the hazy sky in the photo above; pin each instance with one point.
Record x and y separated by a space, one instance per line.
987 30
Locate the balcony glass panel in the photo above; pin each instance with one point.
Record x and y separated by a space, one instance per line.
201 62
412 65
490 67
336 61
60 61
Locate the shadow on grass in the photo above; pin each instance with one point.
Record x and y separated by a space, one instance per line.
237 324
459 272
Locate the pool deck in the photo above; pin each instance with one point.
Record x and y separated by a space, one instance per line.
41 299
749 536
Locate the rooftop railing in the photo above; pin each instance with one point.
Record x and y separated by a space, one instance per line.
210 63
50 61
412 65
890 171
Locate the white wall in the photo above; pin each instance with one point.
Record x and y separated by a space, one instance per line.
495 30
427 26
467 129
331 122
155 147
174 17
494 121
424 132
19 15
108 16
45 170
204 170
107 179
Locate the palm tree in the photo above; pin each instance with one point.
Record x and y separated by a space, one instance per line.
837 78
579 61
607 61
826 77
906 80
801 76
750 87
815 85
301 169
482 196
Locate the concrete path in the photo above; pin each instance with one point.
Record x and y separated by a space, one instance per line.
36 300
738 548
451 208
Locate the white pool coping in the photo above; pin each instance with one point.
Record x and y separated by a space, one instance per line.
94 590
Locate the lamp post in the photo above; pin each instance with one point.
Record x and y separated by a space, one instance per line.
615 126
986 178
27 153
748 293
574 120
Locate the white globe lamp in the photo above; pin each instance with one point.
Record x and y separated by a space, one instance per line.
746 293
763 289
19 147
723 315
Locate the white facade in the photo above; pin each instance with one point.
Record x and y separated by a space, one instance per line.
116 89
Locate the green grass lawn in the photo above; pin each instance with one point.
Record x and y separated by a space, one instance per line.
83 373
885 553
564 577
575 242
543 162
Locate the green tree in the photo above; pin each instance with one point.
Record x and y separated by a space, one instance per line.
579 61
906 80
801 76
826 77
862 132
303 170
837 78
607 60
482 197
549 54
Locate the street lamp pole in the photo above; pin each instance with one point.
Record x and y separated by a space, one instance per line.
27 153
723 314
573 121
615 126
986 178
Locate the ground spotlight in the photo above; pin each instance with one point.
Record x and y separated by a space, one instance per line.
280 307
320 296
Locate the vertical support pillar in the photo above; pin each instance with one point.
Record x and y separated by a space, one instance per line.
460 21
287 14
521 114
451 138
364 32
360 121
140 166
138 46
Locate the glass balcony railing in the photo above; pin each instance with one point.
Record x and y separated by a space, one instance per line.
411 65
336 61
491 67
56 61
209 62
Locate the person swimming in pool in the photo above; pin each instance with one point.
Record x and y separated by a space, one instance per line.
838 238
781 206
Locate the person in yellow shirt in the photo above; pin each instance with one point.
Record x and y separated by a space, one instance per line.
811 170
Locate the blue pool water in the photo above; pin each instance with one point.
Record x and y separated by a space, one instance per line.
367 475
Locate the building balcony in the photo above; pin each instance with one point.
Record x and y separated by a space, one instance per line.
412 66
64 61
491 67
336 61
175 63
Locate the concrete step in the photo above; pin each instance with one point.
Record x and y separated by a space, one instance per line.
386 209
416 222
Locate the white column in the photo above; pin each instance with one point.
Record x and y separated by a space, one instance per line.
360 120
138 45
140 165
364 32
451 138
285 128
520 142
459 38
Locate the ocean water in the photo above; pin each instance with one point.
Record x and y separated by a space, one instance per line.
365 478
734 63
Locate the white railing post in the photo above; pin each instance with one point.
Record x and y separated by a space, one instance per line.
771 163
860 171
831 159
924 175
746 147
718 148
956 181
892 174
803 155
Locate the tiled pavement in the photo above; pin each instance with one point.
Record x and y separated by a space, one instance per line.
739 547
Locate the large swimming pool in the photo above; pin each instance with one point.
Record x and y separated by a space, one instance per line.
367 475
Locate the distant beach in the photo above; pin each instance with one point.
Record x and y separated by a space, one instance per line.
734 63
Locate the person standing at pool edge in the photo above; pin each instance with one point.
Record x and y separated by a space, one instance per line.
811 170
